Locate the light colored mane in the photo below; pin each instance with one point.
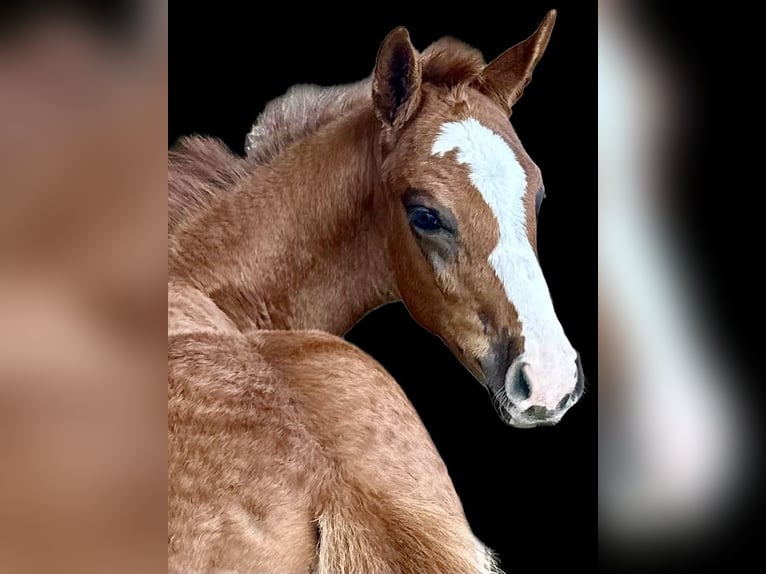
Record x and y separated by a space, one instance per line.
300 112
199 167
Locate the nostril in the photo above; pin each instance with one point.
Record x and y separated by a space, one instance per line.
520 390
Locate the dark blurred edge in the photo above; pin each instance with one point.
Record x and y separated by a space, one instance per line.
116 18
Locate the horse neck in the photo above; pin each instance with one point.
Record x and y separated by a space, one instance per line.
300 243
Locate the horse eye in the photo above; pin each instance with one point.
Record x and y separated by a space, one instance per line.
423 218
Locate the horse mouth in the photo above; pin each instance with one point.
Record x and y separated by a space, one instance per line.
513 417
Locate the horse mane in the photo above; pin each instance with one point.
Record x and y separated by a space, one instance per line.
300 112
198 169
201 167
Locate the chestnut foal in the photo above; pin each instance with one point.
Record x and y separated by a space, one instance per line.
290 450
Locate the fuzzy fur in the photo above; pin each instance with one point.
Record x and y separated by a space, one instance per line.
290 450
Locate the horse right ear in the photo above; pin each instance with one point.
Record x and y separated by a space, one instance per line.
396 80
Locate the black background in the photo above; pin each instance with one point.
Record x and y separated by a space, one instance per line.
528 494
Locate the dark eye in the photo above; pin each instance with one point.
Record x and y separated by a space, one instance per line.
423 218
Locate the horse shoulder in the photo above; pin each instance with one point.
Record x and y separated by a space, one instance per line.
352 404
282 443
386 502
240 460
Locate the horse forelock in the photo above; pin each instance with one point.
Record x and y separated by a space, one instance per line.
449 62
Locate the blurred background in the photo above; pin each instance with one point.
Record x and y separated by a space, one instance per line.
83 125
679 449
83 141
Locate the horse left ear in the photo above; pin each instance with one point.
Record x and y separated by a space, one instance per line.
397 79
505 78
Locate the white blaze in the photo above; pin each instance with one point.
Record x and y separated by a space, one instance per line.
502 182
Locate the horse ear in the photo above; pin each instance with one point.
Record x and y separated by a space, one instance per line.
505 77
397 79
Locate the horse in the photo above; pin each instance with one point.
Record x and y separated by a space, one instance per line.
290 450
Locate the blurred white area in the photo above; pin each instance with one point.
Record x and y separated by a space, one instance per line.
672 424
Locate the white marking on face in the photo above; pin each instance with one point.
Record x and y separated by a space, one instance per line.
502 182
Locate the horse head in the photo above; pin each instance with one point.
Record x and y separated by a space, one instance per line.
463 238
